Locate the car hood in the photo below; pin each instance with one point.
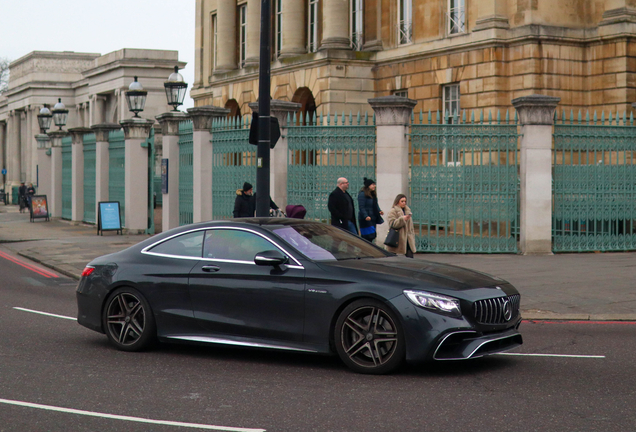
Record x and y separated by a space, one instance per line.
420 272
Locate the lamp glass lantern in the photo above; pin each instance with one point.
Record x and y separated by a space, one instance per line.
60 114
44 119
136 97
175 89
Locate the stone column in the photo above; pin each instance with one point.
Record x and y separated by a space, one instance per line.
136 131
102 159
252 54
536 116
202 118
335 25
44 165
55 199
492 14
13 149
77 173
373 27
170 131
392 119
278 155
226 36
294 29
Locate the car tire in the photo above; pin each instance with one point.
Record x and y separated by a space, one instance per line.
128 320
369 337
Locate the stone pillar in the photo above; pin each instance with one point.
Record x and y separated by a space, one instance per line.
170 130
392 119
335 25
618 11
252 54
55 199
202 118
226 36
77 173
536 116
43 165
294 29
278 155
492 14
102 159
373 27
13 149
136 131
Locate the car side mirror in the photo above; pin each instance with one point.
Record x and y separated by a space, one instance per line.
270 258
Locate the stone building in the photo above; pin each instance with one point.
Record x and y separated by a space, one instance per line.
91 86
334 55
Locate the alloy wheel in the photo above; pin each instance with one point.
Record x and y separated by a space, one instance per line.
125 319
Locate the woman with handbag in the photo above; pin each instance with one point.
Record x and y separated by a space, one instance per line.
369 213
400 219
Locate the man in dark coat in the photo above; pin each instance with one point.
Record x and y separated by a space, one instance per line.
22 197
245 202
341 207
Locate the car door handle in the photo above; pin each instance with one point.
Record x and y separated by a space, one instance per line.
210 268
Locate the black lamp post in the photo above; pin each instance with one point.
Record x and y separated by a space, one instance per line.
136 97
60 114
44 119
175 89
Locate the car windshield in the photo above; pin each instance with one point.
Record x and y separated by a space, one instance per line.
322 242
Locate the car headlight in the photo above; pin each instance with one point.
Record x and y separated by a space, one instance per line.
435 302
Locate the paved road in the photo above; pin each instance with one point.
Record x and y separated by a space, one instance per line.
55 363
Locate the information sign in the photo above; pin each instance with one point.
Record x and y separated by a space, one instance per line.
108 217
39 208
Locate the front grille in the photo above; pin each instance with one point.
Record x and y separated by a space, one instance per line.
492 311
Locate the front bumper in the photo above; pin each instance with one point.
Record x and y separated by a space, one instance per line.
467 344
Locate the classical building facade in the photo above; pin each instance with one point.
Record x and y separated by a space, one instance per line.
91 86
448 55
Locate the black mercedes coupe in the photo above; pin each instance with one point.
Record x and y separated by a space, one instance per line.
296 285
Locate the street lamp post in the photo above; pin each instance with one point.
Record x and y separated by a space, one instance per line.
60 114
175 89
262 153
136 98
44 119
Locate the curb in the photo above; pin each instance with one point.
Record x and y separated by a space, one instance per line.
551 316
58 269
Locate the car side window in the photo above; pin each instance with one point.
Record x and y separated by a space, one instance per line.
234 245
187 245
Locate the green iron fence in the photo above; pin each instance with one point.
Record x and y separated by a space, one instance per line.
465 184
594 187
67 177
233 163
89 178
186 194
150 145
117 171
320 152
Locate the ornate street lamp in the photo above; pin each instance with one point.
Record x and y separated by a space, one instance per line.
60 114
44 119
175 89
136 97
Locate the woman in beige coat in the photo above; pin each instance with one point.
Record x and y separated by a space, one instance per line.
400 218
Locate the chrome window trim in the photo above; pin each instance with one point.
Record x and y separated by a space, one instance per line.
238 343
146 250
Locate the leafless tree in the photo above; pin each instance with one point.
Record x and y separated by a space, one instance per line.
4 74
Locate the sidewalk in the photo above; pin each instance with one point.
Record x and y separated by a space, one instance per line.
566 286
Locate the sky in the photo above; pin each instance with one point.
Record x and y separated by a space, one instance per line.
99 27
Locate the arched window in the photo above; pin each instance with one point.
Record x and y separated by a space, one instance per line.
305 97
233 106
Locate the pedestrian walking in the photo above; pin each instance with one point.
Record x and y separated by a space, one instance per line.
29 193
369 213
245 202
341 207
401 218
22 197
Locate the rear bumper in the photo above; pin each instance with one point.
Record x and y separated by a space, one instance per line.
467 344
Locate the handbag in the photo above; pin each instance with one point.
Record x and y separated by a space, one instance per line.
392 238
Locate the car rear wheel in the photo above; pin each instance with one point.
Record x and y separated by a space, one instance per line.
128 320
369 338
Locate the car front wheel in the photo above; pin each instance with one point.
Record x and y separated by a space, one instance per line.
128 320
369 338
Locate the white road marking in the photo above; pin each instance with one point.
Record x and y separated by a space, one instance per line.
127 418
45 313
554 355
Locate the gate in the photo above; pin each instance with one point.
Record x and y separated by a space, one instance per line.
117 171
150 145
320 153
186 193
594 188
233 163
465 184
89 178
67 178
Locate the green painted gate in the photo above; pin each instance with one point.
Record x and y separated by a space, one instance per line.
89 178
465 184
186 193
594 188
150 145
233 163
67 177
117 171
320 152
